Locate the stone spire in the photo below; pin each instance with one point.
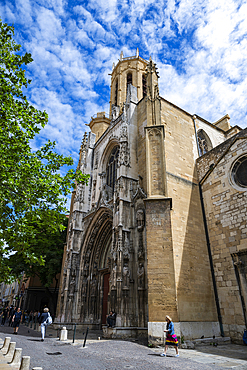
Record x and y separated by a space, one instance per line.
153 97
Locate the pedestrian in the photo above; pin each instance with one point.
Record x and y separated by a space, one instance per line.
111 319
171 339
11 314
16 320
4 315
43 322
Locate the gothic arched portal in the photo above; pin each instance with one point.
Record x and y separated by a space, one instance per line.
95 268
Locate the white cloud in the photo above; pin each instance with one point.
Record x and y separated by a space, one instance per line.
200 49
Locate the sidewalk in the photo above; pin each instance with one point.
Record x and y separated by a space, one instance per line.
118 354
230 356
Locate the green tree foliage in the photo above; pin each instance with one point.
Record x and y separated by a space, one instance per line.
32 188
51 246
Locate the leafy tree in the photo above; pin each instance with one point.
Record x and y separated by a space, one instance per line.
32 188
51 246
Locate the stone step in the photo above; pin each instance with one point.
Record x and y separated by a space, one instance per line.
191 344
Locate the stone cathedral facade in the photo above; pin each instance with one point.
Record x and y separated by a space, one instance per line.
161 227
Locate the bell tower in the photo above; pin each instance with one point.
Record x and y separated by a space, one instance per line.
130 70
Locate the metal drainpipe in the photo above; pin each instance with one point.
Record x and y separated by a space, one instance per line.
208 244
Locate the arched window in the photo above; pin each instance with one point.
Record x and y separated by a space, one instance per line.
111 169
144 85
116 92
204 142
129 80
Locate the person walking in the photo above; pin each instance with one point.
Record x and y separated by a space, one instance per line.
16 320
43 322
11 314
171 338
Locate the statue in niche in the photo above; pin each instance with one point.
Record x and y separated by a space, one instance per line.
72 287
126 276
140 219
94 191
84 288
93 286
140 276
126 249
95 268
86 269
114 276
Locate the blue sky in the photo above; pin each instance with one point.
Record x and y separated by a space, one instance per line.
200 48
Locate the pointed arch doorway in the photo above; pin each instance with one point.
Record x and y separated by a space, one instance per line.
95 267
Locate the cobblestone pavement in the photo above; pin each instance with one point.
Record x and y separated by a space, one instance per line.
117 354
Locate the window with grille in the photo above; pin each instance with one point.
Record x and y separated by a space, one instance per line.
204 142
111 170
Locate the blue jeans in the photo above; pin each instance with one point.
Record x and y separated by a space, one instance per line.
43 330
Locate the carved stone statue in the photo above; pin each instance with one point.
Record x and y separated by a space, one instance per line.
72 287
93 286
86 269
140 276
84 288
126 276
114 276
126 249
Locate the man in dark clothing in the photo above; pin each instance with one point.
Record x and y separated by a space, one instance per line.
11 314
17 319
4 315
111 319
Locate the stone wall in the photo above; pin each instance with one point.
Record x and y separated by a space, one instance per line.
226 212
192 271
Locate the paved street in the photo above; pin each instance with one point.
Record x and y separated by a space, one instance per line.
117 354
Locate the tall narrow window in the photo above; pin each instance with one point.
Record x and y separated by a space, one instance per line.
144 85
116 92
204 142
129 81
111 170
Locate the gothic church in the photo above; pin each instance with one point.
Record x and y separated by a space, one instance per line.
161 227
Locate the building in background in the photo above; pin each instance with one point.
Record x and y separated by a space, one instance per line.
10 294
161 228
29 295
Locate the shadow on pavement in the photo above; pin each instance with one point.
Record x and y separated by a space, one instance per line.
235 351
